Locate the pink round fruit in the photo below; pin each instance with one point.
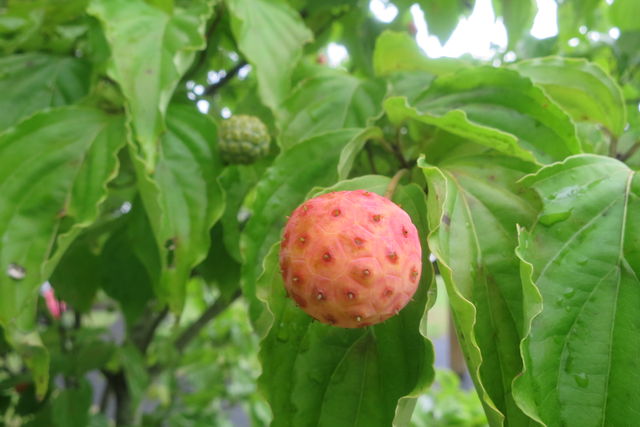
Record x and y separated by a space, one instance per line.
350 258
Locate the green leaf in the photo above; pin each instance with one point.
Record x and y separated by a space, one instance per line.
583 89
90 352
33 81
76 278
182 198
151 51
375 183
442 16
236 181
474 207
281 189
583 256
270 35
130 265
219 268
395 52
505 101
517 16
54 168
71 407
330 101
624 15
408 84
35 356
458 123
351 150
341 377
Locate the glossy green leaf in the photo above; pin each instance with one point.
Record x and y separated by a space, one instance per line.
54 168
582 88
396 51
474 207
33 81
517 16
505 101
270 35
624 15
183 198
151 51
341 377
583 257
332 100
281 189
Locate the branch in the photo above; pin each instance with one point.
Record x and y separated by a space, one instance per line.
194 329
117 382
397 150
209 314
146 336
626 156
613 142
393 184
370 157
213 88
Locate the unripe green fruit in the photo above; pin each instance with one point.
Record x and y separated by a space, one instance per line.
350 258
243 139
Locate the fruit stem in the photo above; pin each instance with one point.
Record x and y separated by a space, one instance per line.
391 188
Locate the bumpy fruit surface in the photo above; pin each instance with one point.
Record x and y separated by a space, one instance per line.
243 139
350 258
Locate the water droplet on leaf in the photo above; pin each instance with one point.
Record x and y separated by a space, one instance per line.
283 335
551 218
16 272
581 379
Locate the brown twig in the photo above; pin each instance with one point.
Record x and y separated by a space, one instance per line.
397 149
117 382
209 314
213 88
372 164
613 142
633 150
393 184
146 335
194 329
